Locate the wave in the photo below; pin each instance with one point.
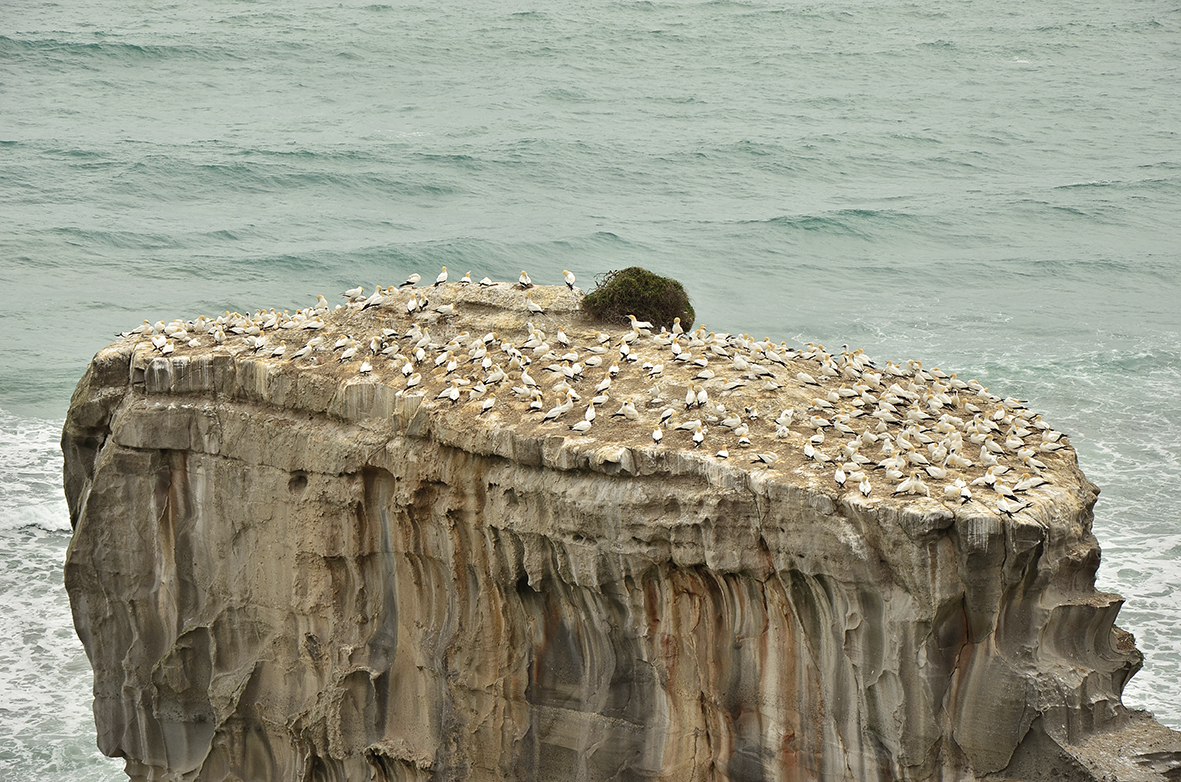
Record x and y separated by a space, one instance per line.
500 256
1151 184
47 720
168 177
119 240
31 474
61 50
861 223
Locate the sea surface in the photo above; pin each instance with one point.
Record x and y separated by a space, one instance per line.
991 187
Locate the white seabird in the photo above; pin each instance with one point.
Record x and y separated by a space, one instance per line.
639 325
936 472
1033 463
411 281
912 485
628 411
569 277
1003 490
442 278
447 392
1009 506
377 298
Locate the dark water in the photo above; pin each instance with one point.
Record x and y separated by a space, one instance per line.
994 189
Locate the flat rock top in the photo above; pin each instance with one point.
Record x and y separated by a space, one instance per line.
501 355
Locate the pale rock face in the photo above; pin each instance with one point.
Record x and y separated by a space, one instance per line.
280 574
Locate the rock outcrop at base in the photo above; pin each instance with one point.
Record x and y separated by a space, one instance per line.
289 569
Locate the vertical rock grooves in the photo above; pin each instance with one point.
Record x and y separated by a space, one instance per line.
279 575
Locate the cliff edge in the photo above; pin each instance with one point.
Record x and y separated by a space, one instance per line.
464 533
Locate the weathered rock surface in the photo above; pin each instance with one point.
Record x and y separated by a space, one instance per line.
286 570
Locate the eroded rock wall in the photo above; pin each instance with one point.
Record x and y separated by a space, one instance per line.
279 577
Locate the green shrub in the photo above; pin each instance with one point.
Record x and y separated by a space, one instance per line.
639 292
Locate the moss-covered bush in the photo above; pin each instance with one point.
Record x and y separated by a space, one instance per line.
639 292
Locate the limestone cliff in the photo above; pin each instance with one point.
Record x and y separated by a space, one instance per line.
298 567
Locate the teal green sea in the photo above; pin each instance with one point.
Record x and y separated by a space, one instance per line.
992 188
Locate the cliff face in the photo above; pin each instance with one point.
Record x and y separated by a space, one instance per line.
286 570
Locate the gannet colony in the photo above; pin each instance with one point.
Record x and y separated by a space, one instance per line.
894 429
460 530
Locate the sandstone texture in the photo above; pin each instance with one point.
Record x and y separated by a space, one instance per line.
286 568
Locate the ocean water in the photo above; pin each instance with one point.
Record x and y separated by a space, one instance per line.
992 188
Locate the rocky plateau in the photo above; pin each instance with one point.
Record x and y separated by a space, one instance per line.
466 533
